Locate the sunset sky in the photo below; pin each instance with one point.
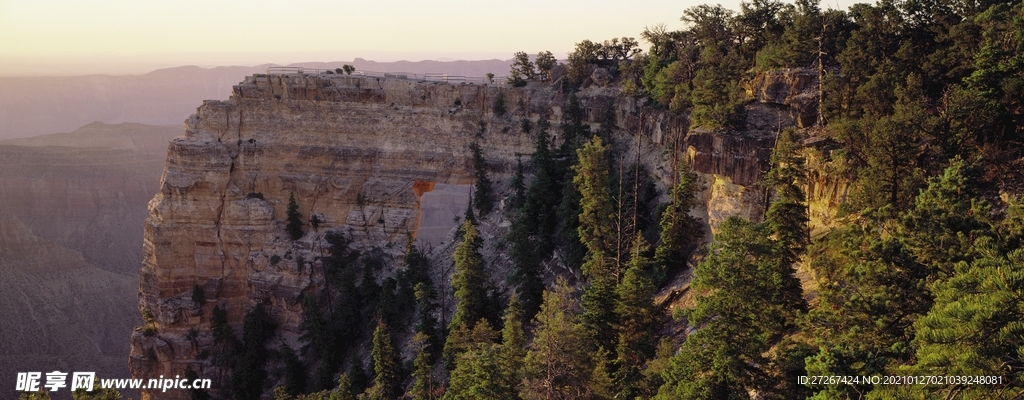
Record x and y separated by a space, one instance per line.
63 37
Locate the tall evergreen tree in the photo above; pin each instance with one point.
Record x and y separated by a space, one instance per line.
575 131
870 292
518 187
248 374
974 329
591 180
512 353
679 231
558 362
424 385
740 315
483 196
294 226
597 234
386 383
318 346
469 279
637 321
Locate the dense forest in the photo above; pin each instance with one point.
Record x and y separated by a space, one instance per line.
923 274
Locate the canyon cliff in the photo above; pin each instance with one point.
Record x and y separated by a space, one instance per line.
359 154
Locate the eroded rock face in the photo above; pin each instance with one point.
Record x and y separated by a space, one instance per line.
360 153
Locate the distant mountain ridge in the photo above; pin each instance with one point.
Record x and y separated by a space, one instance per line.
31 106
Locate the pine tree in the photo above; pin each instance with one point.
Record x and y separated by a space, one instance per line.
598 300
739 316
946 218
426 323
869 295
513 345
518 187
386 384
483 196
294 218
527 273
423 368
679 231
317 344
601 385
295 372
597 234
537 217
974 327
637 321
345 389
786 217
478 375
248 374
575 131
591 180
469 279
558 362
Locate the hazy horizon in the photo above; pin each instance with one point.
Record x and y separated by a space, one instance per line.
116 37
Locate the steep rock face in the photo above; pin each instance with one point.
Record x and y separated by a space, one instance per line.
356 152
359 153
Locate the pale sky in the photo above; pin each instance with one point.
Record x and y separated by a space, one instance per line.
74 37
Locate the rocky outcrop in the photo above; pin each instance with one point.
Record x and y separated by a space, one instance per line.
360 153
357 152
794 89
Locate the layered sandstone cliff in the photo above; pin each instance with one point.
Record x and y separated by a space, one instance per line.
359 153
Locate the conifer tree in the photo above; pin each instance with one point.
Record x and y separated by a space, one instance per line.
478 375
294 218
973 329
738 317
345 389
558 362
386 384
295 372
317 344
248 373
423 369
426 323
591 180
596 233
575 131
601 385
678 229
518 187
787 215
869 294
537 217
637 321
469 279
469 284
483 196
512 353
946 218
